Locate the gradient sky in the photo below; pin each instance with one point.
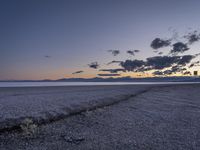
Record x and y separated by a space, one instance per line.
75 33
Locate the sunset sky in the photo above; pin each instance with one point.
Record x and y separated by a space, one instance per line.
52 39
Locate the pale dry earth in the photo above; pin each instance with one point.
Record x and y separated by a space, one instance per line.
133 117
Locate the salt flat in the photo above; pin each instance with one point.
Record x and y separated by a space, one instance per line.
43 103
157 117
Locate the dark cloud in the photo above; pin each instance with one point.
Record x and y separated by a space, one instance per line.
132 65
78 72
109 75
159 43
192 37
185 59
179 47
47 56
143 69
132 52
167 72
161 62
187 73
177 68
136 51
94 65
173 70
113 70
159 73
170 64
194 64
114 52
113 62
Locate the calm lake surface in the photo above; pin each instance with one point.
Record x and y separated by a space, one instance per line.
35 84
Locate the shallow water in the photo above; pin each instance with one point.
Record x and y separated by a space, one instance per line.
35 84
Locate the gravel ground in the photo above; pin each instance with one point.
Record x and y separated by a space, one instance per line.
160 118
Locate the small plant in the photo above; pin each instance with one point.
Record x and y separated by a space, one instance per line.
28 127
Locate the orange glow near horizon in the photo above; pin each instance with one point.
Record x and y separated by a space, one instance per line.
59 74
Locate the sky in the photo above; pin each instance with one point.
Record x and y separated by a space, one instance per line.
52 39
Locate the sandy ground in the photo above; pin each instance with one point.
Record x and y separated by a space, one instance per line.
166 117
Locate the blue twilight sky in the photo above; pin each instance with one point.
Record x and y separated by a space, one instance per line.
42 39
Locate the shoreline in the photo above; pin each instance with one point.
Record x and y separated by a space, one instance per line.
78 84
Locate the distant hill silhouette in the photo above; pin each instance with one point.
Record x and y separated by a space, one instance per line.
121 79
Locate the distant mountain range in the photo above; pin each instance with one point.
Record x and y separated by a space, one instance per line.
121 79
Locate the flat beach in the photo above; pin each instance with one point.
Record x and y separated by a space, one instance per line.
101 117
